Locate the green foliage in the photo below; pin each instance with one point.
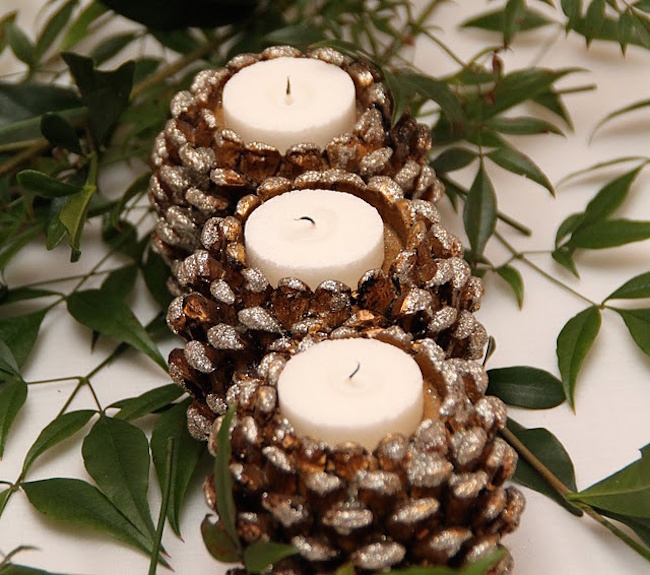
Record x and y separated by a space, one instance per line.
523 386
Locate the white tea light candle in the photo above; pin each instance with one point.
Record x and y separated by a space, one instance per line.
352 390
288 101
314 235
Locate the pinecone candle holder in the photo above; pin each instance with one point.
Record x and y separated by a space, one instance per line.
202 168
437 497
232 317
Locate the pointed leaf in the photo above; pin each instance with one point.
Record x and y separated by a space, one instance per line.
609 234
524 386
262 554
638 324
31 99
594 19
517 163
111 46
494 21
4 497
573 344
20 333
548 449
13 394
620 112
187 454
149 402
626 492
156 272
13 569
73 217
481 566
8 363
610 197
119 283
625 29
570 224
564 256
44 185
60 132
223 481
116 455
512 16
21 45
522 126
54 26
552 101
435 90
480 213
218 542
112 318
84 506
79 29
55 432
515 281
637 287
453 159
571 9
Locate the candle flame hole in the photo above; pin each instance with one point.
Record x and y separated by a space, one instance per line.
288 97
305 218
356 370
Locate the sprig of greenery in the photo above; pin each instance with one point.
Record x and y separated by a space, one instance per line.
54 141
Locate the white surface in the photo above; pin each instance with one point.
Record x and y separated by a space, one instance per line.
359 390
343 241
613 397
320 106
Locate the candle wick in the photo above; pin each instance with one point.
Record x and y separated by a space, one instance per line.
288 98
356 370
307 218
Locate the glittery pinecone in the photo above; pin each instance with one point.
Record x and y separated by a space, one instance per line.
231 316
202 169
437 497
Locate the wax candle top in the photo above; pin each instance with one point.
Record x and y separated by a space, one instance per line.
315 235
287 101
352 390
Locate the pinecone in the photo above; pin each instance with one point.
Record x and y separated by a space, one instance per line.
201 169
434 498
232 317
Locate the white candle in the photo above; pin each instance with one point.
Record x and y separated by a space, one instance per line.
352 390
288 101
314 235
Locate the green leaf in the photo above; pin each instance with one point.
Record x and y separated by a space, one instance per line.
594 19
625 29
111 46
480 213
54 26
112 317
452 159
522 126
609 234
523 386
25 293
149 402
27 100
638 324
84 506
62 427
573 344
300 35
13 569
564 256
60 132
156 272
46 186
15 243
639 525
4 497
569 225
13 394
547 449
495 21
609 197
218 542
187 454
517 163
116 455
123 238
481 566
106 94
223 481
73 217
79 29
626 492
513 278
620 112
119 283
8 363
552 101
20 333
262 554
138 187
21 45
181 41
5 20
572 9
512 16
637 287
435 90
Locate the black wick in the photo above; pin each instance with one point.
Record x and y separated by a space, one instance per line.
355 370
288 86
305 218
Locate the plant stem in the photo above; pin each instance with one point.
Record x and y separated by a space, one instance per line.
563 490
166 491
522 258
